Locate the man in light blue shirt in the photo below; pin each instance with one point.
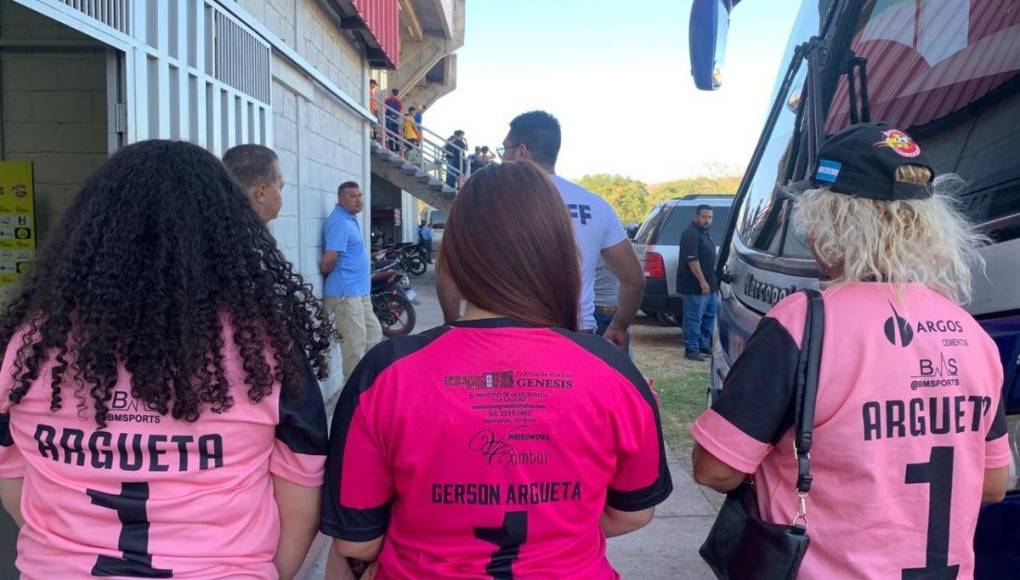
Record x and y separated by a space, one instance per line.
348 270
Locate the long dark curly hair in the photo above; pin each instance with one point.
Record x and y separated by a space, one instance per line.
157 250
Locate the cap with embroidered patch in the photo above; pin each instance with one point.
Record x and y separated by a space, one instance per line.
864 161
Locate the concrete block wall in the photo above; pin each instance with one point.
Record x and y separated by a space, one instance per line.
320 142
54 111
320 146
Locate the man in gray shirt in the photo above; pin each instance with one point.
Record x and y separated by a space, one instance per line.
607 291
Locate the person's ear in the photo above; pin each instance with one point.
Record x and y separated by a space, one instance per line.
523 153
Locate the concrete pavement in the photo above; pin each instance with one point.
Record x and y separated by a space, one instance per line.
668 547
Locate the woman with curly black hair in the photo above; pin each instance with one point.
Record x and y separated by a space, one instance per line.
159 409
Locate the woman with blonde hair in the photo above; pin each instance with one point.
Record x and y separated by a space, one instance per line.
909 432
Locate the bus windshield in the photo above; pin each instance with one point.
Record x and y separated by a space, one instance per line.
951 78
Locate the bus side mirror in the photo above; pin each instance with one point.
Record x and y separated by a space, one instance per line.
710 22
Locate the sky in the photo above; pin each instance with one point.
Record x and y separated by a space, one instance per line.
617 75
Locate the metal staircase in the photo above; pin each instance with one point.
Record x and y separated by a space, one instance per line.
422 169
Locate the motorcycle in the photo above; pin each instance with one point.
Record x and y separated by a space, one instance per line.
409 255
393 299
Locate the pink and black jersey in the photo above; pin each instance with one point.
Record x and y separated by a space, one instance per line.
908 418
489 449
150 496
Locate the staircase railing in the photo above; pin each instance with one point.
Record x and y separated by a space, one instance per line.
432 154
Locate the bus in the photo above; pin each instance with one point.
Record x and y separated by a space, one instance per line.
948 73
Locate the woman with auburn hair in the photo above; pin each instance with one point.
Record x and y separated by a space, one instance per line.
159 409
504 444
909 433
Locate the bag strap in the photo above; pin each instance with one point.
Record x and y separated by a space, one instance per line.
808 367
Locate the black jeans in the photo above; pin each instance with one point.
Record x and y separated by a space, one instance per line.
451 176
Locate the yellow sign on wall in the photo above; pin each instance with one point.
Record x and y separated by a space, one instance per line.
17 224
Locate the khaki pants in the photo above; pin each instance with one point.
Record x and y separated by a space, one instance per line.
359 328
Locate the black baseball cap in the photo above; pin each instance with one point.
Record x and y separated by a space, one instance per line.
862 160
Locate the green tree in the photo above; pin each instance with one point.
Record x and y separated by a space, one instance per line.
632 199
681 187
629 197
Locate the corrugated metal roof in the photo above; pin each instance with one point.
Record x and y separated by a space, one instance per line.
382 19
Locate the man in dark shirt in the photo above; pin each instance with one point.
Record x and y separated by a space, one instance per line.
394 108
697 285
456 145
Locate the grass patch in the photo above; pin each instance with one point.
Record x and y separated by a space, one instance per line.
682 384
683 399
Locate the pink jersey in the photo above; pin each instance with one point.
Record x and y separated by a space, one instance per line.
489 449
150 496
908 419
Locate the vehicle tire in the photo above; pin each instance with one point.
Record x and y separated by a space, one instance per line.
668 318
416 265
397 317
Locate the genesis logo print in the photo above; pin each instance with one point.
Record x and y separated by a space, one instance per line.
897 326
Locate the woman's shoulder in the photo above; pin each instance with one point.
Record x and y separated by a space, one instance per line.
790 313
392 351
599 348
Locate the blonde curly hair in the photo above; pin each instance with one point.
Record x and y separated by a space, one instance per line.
922 240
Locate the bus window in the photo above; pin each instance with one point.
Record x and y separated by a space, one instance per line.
951 78
758 204
437 219
795 246
995 209
926 61
948 77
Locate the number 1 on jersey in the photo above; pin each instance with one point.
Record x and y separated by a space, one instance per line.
508 538
938 474
134 533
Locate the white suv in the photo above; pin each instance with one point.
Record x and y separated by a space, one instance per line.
657 243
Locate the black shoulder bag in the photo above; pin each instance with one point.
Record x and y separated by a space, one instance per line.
741 545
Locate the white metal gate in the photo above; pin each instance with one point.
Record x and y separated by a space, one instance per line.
186 69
